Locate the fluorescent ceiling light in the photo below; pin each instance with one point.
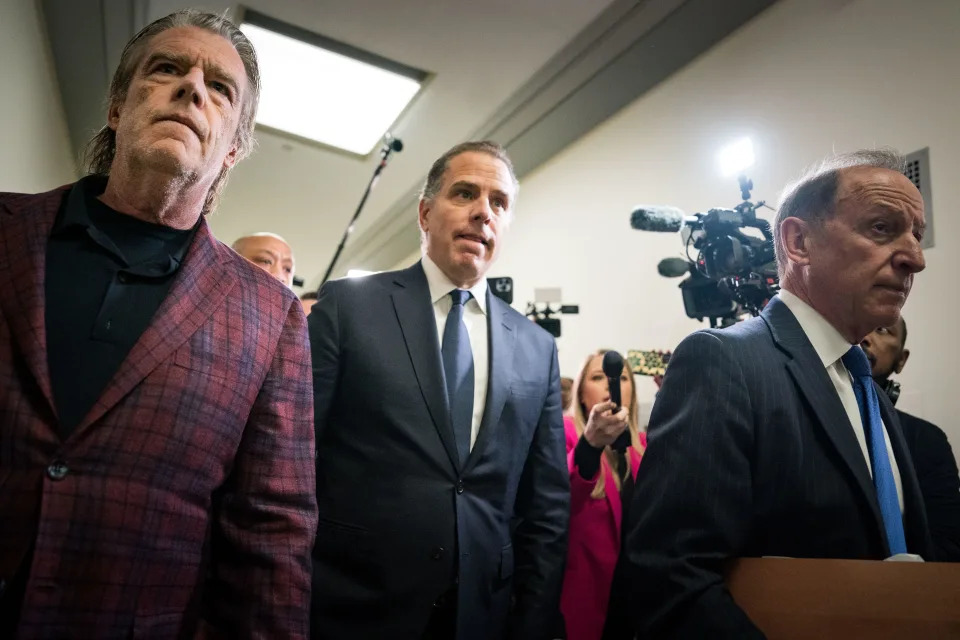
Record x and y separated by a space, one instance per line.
736 157
326 91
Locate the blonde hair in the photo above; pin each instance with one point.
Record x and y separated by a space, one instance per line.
580 413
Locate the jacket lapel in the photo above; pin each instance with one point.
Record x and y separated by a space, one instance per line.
501 337
411 301
25 229
814 383
199 287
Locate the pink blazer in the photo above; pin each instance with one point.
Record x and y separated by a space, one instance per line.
594 544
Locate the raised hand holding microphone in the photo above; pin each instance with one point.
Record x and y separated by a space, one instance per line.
608 421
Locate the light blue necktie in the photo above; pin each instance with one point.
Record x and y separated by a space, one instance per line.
458 372
857 364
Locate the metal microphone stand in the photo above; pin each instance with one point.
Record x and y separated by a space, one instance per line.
389 146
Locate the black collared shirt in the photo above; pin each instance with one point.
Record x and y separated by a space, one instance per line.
106 275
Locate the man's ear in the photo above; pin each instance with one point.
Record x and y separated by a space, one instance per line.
423 212
113 115
795 239
898 366
232 156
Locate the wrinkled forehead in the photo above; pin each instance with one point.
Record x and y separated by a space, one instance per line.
211 51
871 186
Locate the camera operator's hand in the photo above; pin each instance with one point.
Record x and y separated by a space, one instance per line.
604 426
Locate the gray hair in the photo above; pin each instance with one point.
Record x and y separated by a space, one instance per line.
813 197
102 148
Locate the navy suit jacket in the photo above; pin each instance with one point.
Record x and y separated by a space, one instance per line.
939 483
400 520
751 454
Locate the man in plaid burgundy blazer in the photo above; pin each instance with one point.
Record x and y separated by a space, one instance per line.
182 502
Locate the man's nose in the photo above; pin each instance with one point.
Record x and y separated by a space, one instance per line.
192 87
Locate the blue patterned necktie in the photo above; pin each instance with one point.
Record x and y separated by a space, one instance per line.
458 372
857 364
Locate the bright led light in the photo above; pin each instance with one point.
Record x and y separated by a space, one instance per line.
315 93
359 273
736 157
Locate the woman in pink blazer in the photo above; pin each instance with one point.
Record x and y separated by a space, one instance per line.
600 480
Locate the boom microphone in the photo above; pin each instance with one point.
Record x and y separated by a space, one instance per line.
657 218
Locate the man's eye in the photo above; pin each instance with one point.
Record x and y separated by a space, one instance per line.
219 87
165 67
265 261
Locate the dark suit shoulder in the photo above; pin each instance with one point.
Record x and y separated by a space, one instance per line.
751 330
920 428
349 288
742 338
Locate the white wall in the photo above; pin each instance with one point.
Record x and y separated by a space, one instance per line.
804 78
35 153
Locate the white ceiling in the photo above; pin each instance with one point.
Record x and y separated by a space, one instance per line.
479 54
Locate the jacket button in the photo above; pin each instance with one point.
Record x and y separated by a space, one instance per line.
459 486
58 470
437 553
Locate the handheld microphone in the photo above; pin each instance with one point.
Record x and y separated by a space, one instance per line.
673 267
613 369
657 218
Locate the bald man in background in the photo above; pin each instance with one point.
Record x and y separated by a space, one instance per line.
270 252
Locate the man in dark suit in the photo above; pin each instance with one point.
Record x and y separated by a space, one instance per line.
441 477
156 449
770 437
929 448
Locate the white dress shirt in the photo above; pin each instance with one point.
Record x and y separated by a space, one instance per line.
475 319
831 347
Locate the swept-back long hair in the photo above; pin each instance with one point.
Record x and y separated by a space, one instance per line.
102 148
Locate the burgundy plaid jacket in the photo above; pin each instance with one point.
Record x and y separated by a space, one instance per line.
184 503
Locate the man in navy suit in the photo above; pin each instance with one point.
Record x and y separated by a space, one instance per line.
770 437
442 483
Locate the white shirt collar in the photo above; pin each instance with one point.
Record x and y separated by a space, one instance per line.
441 286
829 344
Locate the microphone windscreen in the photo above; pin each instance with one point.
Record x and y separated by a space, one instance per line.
613 368
657 218
673 267
612 364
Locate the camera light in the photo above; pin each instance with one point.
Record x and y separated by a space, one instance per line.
736 157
